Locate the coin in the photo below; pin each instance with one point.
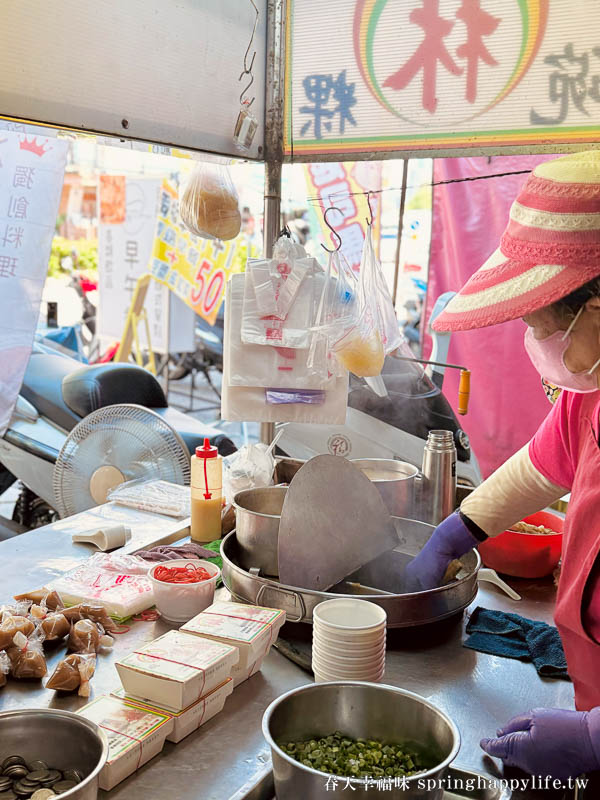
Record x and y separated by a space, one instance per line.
73 775
41 794
5 782
22 791
16 771
10 795
63 786
8 762
38 775
35 765
32 785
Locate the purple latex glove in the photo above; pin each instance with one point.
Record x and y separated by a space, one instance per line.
451 539
550 741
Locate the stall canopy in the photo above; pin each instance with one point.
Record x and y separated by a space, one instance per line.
163 72
374 77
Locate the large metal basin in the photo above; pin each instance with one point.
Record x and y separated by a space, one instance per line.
359 710
60 738
403 610
257 517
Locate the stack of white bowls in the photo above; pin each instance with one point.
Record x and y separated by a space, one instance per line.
348 641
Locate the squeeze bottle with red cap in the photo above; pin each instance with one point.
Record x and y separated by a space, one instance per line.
207 481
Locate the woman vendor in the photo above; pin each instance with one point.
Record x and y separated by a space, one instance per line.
546 271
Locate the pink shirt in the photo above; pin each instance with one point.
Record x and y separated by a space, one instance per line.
554 451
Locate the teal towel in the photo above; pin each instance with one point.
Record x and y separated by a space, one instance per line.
502 634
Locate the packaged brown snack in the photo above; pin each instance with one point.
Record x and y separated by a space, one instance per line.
95 613
55 626
209 205
43 596
4 667
73 672
27 658
10 626
84 637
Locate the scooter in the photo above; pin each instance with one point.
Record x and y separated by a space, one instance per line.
57 393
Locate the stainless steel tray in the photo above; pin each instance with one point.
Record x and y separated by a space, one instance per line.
262 788
403 610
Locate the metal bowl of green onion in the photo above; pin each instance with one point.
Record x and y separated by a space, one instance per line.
364 736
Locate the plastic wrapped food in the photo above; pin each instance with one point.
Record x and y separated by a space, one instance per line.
209 204
47 597
73 672
84 637
55 626
95 613
160 497
27 658
4 667
10 626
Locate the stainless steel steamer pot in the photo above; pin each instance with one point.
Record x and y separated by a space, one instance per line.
365 710
257 518
403 610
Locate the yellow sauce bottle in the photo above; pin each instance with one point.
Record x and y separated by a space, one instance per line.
207 483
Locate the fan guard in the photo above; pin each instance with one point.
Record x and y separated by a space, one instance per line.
115 444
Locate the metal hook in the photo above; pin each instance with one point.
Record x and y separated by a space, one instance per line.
247 103
248 69
332 229
370 221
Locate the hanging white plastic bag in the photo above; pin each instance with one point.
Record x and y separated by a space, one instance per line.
264 366
279 285
209 205
376 290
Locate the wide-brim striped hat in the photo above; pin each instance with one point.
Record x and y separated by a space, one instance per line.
550 247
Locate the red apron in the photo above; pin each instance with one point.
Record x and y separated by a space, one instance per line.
581 546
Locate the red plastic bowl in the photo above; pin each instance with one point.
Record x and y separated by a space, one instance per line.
526 555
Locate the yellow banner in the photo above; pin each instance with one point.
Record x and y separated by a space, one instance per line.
195 269
343 185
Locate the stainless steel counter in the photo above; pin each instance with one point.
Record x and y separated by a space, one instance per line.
478 691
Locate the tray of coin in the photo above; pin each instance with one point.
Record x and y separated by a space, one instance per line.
20 780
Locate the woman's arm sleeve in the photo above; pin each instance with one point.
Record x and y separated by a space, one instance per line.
513 491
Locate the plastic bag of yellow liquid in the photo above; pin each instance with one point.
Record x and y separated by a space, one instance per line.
361 353
374 331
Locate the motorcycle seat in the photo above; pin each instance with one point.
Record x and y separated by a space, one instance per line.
88 388
193 432
42 386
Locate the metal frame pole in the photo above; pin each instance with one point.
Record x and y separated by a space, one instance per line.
400 226
276 10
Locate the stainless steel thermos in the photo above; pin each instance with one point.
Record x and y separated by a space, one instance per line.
439 477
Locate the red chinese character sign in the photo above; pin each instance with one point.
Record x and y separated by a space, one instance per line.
437 75
31 179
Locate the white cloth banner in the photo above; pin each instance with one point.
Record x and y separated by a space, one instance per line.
31 178
124 250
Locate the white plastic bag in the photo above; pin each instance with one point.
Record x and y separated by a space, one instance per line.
264 366
159 497
209 203
251 467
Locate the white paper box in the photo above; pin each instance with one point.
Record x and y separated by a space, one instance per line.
252 629
135 735
193 717
176 670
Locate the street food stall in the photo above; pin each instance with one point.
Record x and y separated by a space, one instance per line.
212 694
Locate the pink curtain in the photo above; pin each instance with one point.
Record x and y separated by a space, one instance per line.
507 399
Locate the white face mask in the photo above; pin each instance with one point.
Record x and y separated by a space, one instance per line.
547 356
